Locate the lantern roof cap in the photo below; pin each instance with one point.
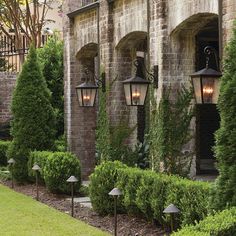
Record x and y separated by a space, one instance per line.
136 80
87 85
207 72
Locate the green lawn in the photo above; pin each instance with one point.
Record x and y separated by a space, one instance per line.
22 216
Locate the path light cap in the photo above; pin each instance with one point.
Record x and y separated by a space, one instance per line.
72 179
36 167
11 161
171 209
115 192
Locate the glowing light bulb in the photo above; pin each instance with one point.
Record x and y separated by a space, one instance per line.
136 95
208 90
87 98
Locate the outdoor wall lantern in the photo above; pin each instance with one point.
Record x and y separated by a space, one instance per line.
136 88
206 83
86 92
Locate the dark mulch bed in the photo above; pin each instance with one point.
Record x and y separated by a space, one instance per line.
127 225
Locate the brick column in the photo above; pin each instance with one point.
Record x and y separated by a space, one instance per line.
80 122
229 15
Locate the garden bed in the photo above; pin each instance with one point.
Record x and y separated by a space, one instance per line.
127 225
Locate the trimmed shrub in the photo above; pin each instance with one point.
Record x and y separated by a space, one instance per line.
191 197
148 193
3 152
33 122
151 200
220 224
102 181
40 158
20 154
58 168
128 180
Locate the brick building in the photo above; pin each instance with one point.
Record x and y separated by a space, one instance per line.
172 35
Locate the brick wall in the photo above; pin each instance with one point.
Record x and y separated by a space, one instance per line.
7 84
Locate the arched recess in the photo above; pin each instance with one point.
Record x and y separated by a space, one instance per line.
83 119
187 43
124 55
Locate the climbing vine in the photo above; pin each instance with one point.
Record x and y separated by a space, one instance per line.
170 132
111 139
102 131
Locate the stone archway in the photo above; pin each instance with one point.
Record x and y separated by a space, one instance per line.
83 119
124 55
187 42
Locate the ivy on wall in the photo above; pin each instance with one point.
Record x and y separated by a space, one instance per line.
111 139
170 132
102 131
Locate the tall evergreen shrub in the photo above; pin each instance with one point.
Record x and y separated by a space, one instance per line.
225 149
33 122
51 60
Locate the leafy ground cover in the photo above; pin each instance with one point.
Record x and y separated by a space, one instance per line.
22 216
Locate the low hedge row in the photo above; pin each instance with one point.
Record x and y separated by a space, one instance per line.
3 149
148 193
56 168
220 224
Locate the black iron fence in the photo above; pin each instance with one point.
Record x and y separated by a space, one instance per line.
12 57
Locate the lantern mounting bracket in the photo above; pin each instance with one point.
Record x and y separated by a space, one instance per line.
151 76
100 82
208 50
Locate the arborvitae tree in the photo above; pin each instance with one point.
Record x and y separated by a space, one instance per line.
51 59
225 149
33 125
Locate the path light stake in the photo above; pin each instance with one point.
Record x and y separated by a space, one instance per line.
115 192
36 168
11 162
172 210
72 180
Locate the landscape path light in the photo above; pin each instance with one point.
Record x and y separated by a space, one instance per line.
36 168
11 162
172 210
115 192
72 180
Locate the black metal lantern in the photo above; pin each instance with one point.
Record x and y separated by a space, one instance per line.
136 89
206 82
86 93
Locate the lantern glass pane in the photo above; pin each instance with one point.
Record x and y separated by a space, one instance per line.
210 89
197 89
86 96
79 96
139 92
127 94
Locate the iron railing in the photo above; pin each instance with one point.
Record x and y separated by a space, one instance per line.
11 57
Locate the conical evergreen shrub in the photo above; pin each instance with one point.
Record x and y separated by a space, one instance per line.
33 125
225 149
